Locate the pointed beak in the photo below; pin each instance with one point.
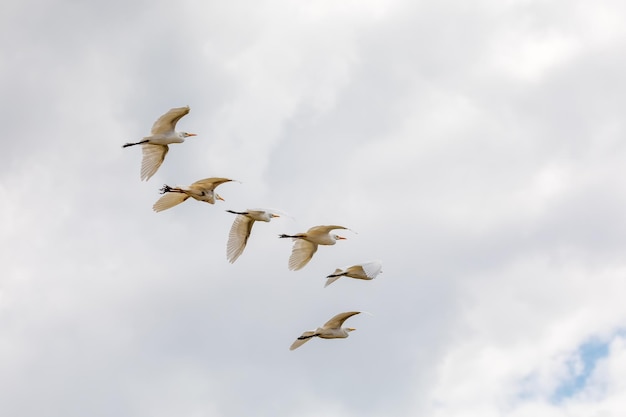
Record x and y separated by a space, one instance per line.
219 197
351 329
274 215
341 238
192 134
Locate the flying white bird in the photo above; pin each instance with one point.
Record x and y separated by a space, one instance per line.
330 330
367 270
241 228
155 147
202 190
306 244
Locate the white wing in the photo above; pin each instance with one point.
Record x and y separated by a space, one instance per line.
337 321
209 183
301 254
167 122
324 229
169 200
153 156
308 335
372 269
331 280
238 237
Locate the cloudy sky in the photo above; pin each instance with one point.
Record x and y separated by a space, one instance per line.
476 148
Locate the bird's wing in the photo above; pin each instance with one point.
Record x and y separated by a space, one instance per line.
337 321
238 237
330 280
324 229
301 254
153 156
167 122
306 336
169 200
210 183
372 269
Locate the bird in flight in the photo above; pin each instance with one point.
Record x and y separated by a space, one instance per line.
330 330
202 190
241 228
155 146
305 244
366 270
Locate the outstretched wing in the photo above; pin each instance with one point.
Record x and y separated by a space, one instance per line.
209 183
238 237
337 321
332 278
169 200
324 229
167 122
306 336
301 254
372 269
153 156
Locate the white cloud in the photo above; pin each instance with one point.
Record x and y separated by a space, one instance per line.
476 149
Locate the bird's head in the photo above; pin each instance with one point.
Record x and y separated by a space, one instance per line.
337 237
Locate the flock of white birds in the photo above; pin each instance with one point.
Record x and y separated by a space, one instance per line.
155 148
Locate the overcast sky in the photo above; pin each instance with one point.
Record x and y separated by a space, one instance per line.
476 148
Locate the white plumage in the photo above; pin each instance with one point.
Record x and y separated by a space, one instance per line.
155 146
330 330
202 190
241 229
305 244
366 271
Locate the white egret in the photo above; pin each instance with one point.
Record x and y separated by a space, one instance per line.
155 147
202 190
306 244
241 228
330 330
367 270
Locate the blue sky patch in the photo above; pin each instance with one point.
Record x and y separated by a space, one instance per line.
588 354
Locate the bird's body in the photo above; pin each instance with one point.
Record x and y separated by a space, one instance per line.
367 271
241 229
305 244
330 330
202 190
155 146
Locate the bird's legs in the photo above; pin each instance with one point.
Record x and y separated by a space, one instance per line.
167 189
238 212
126 145
308 337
